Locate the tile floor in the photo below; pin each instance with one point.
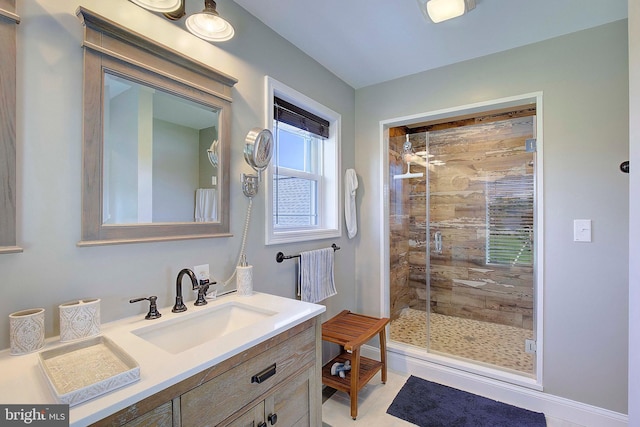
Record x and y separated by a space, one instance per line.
498 345
373 401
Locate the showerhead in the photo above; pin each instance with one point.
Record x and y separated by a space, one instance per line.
407 147
407 154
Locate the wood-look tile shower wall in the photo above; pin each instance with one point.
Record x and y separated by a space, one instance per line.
402 294
462 284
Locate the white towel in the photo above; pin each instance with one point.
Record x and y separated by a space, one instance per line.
350 187
206 205
316 275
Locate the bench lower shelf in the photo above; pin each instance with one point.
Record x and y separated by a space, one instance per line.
368 368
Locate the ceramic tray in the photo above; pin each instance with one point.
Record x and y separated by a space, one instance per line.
83 370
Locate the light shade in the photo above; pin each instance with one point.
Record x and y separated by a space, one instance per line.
441 10
208 25
162 6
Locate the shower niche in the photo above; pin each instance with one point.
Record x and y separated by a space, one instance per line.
461 237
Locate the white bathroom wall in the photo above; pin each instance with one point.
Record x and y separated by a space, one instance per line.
584 80
52 269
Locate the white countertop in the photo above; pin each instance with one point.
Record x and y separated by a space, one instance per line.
23 382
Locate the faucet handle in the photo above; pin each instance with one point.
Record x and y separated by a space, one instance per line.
153 308
202 288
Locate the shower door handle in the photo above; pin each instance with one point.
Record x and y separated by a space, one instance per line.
437 241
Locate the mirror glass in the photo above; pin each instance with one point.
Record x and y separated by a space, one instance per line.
156 156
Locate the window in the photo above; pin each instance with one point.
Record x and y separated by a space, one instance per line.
296 180
303 179
510 221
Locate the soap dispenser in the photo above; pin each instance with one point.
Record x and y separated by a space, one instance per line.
244 277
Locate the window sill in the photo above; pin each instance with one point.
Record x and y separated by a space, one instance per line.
301 236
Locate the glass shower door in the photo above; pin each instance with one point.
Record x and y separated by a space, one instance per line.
408 239
480 273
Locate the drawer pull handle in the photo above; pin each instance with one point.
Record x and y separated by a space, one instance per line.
264 375
273 419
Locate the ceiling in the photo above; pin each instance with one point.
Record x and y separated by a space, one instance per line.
365 42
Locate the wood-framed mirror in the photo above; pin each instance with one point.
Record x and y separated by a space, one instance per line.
8 29
156 140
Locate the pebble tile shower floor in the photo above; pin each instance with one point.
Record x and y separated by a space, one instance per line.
499 345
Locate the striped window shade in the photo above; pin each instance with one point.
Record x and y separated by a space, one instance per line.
510 208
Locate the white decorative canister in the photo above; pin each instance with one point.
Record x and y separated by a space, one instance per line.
79 319
26 330
244 278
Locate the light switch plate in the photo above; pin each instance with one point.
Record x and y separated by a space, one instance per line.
581 230
201 272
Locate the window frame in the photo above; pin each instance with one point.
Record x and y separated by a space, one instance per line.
329 200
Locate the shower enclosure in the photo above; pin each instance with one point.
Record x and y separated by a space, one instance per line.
461 256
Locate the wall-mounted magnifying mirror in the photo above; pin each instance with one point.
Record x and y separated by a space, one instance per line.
258 149
156 140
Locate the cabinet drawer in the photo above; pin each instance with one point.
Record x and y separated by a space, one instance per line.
217 399
162 416
290 401
251 418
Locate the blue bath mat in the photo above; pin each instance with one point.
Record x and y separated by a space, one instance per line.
428 404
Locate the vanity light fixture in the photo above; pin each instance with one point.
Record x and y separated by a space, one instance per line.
162 6
208 25
441 10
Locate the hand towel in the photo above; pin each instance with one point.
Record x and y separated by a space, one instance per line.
206 205
316 275
350 187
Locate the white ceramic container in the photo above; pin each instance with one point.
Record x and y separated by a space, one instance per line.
85 369
244 280
26 330
79 319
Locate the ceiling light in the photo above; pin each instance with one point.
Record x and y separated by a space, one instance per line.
162 6
208 25
441 10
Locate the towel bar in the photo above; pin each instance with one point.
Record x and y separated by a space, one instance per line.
281 257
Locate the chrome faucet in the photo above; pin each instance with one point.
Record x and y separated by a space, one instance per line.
179 306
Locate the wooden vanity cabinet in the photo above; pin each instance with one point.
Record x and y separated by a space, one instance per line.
275 382
287 404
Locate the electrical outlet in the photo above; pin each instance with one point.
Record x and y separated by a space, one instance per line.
202 272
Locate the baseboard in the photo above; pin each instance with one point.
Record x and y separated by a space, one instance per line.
534 400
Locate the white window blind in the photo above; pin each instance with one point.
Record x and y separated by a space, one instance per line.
510 221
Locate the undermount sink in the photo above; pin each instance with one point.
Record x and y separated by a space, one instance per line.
182 333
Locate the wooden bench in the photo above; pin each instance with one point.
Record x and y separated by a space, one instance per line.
350 331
